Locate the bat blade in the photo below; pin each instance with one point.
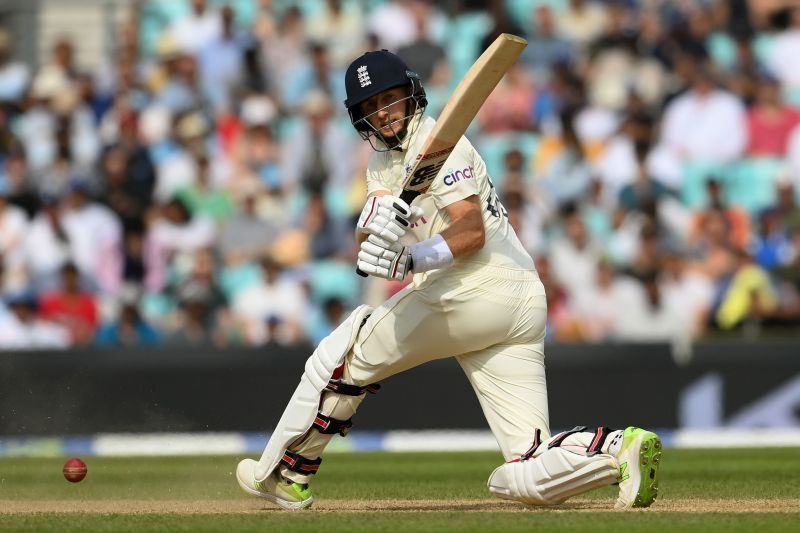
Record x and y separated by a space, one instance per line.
460 110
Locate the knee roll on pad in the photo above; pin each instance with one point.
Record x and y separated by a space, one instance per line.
552 477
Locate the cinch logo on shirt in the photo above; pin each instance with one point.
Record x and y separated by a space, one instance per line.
454 177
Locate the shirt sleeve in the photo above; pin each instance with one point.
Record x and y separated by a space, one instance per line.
457 179
377 175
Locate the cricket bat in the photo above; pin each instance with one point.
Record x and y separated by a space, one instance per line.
476 86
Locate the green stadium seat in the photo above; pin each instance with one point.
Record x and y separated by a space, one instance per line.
331 279
722 49
493 149
752 182
695 175
467 30
521 11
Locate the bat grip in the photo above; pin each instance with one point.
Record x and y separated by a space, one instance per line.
408 197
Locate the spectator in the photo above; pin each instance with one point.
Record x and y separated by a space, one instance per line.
734 219
201 285
561 167
743 293
128 178
650 317
47 246
769 121
644 191
283 46
787 204
71 306
202 199
14 75
129 331
596 310
274 295
310 156
174 229
559 320
314 74
15 173
175 84
422 55
582 21
394 23
705 124
246 236
196 29
574 259
772 246
325 321
13 231
341 25
95 237
221 62
195 324
329 236
22 329
782 58
507 107
690 289
256 151
545 47
793 155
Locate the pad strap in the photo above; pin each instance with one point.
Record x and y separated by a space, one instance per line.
598 440
340 387
556 442
329 426
537 441
302 465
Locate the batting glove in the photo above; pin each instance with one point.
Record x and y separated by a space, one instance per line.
384 259
387 217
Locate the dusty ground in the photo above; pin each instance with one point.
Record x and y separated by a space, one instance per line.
461 506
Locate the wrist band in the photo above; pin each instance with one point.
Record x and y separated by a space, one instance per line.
431 254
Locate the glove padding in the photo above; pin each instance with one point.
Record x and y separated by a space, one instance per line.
387 217
389 260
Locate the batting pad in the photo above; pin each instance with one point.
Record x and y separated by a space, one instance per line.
552 477
304 404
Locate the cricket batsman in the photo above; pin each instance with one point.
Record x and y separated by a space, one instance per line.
475 296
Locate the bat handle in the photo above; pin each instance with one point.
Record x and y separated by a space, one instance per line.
361 272
408 196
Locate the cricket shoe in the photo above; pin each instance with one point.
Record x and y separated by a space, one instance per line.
639 459
275 488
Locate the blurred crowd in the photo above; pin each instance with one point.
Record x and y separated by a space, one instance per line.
200 186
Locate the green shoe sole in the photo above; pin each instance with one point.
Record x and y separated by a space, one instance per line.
649 461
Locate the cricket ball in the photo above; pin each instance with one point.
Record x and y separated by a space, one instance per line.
74 470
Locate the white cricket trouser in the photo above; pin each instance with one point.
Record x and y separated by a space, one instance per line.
492 321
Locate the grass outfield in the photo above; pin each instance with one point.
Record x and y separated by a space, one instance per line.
701 490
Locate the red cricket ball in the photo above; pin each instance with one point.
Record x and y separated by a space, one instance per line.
74 470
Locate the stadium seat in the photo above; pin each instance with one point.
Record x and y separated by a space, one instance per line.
695 175
752 182
493 148
467 30
521 11
331 279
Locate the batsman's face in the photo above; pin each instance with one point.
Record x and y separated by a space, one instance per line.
386 111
